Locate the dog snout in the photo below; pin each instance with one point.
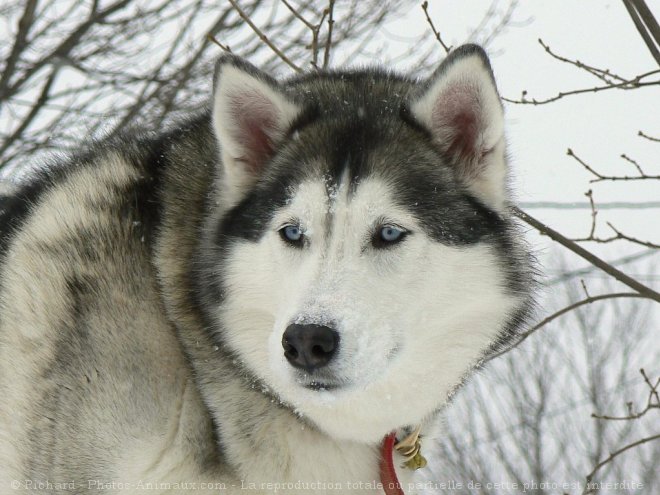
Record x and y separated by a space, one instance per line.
309 347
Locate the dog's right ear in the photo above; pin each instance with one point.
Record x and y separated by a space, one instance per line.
251 114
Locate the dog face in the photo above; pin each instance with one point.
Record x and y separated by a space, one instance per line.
363 256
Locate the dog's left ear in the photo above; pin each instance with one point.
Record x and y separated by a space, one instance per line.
461 108
251 115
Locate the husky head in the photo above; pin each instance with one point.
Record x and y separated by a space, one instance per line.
362 258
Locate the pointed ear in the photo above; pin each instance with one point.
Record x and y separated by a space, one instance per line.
461 108
251 115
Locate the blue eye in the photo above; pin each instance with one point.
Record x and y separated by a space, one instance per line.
292 234
387 235
390 234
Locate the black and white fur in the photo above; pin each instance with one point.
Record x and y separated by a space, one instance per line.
145 285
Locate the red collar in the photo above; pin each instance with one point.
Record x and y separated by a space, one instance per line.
388 476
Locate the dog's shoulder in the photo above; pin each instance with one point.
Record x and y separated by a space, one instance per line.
81 319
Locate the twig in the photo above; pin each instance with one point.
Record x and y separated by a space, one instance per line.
328 42
315 39
425 7
584 288
298 15
612 456
600 177
646 136
63 49
634 162
591 299
620 235
20 41
590 257
654 388
653 402
38 104
263 37
213 39
601 74
314 28
635 82
589 194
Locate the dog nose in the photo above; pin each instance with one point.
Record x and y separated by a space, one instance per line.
309 346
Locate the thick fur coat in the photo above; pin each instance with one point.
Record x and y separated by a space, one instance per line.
149 285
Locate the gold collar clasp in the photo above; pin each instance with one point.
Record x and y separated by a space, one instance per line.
410 449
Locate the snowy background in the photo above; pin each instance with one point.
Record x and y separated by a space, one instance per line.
526 418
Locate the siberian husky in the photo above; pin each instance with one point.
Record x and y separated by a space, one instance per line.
261 298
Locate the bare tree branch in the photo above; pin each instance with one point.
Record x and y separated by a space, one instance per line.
646 24
603 74
621 236
20 41
634 163
653 402
328 42
633 83
618 235
298 15
64 48
41 100
646 136
600 177
122 77
314 28
213 39
436 33
588 300
590 257
263 37
588 488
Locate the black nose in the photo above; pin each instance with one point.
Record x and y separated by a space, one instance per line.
309 346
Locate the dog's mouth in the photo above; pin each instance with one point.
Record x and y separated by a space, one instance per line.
321 386
328 380
319 382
